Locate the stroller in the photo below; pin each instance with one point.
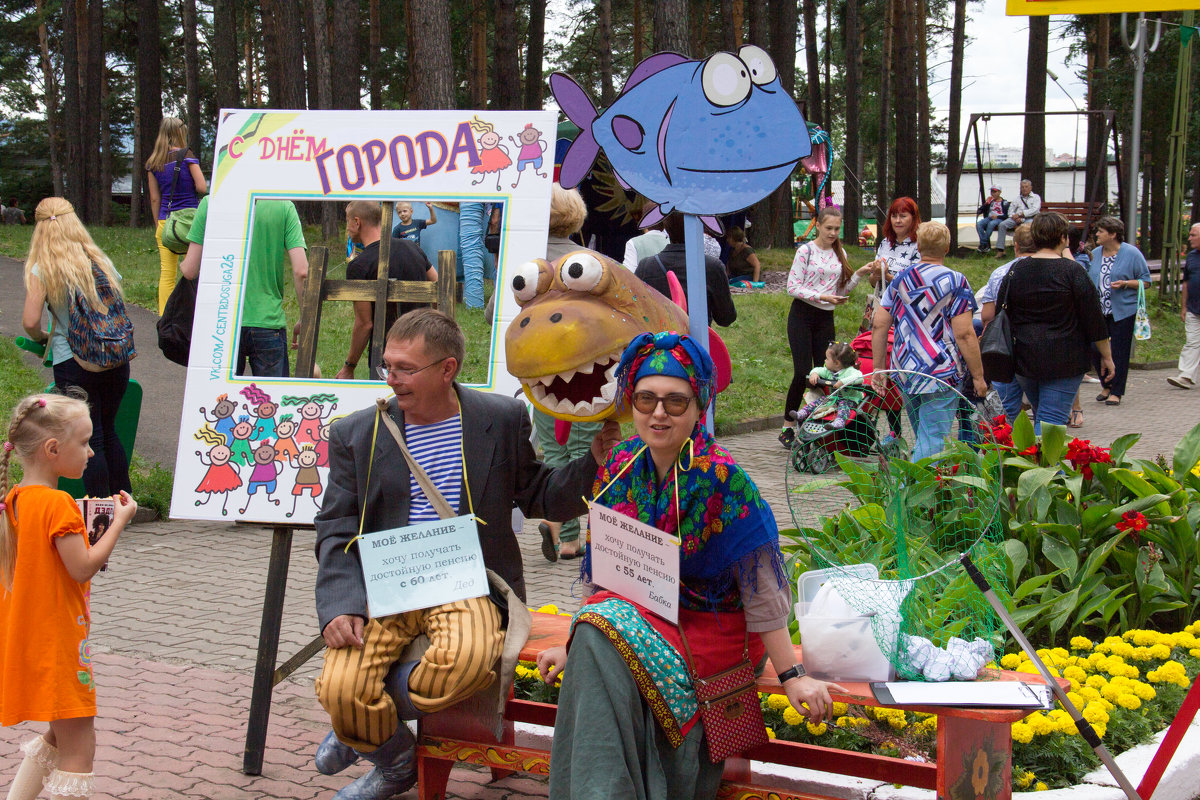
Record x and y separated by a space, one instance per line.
817 440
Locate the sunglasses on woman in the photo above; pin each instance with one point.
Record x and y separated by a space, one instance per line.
674 404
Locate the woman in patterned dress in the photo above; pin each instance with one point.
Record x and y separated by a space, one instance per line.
627 705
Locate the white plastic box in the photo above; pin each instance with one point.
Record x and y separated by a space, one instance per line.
841 648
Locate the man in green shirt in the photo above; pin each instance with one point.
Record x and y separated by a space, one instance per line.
275 240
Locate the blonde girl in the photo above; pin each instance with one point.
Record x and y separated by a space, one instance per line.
160 170
59 266
46 564
820 280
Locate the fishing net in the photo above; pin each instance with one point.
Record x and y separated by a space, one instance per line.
886 517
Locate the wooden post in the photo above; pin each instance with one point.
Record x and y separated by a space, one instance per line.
379 332
310 311
447 278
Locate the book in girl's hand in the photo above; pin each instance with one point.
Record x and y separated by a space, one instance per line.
97 515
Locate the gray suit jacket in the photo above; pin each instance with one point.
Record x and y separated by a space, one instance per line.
502 472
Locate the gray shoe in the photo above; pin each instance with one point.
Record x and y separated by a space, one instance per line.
333 756
395 769
1181 382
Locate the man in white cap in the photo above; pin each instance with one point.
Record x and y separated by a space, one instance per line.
993 211
1020 210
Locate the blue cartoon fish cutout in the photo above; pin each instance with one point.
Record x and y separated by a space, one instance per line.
703 137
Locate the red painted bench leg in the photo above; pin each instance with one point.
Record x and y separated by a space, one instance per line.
974 759
432 776
500 774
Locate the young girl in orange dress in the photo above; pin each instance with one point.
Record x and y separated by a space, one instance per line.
46 564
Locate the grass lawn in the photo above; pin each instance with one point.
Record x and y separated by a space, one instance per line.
758 340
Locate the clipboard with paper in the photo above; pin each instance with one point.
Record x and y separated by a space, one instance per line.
972 694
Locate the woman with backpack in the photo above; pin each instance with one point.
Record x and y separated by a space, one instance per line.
176 182
91 337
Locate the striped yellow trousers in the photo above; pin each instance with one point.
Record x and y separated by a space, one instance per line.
465 641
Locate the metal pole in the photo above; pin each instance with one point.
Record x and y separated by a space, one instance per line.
1139 49
1085 728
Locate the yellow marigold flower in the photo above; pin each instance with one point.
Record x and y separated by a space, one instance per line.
1101 729
1144 691
928 726
792 717
1040 723
549 608
1075 674
1095 714
770 733
1079 643
844 722
1011 661
1140 654
816 730
1027 666
1141 638
1129 700
1096 681
1040 786
1076 699
777 702
860 722
839 709
1023 733
1089 694
1023 780
1194 652
1160 651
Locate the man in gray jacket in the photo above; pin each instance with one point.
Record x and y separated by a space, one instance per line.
476 449
1020 210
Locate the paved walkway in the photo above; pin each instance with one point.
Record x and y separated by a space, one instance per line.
176 619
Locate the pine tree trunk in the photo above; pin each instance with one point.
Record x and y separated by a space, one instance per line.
53 118
604 35
321 94
1095 183
106 160
505 56
429 47
812 109
827 114
671 26
535 53
269 12
374 79
284 51
953 164
191 67
733 15
882 201
344 60
478 62
904 74
852 203
759 19
1033 151
91 65
924 147
639 33
224 54
783 21
149 93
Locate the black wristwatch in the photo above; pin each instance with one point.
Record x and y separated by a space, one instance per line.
351 366
796 671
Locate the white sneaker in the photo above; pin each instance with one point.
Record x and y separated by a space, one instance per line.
1181 382
1089 378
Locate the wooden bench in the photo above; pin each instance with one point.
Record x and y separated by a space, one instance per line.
1079 215
967 740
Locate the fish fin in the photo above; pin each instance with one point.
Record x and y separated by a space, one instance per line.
652 216
650 65
621 181
579 109
714 225
722 362
661 141
678 296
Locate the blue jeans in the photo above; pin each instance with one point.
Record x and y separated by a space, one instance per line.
985 227
471 227
1010 396
932 416
265 349
1051 399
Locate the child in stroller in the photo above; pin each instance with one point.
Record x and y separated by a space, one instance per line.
840 369
843 423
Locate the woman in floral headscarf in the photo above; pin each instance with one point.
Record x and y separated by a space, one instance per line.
627 704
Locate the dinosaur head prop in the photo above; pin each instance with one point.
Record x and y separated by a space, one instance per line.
577 316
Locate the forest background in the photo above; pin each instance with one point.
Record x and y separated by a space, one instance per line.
84 83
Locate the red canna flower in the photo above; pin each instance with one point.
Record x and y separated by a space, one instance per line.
1132 521
1029 452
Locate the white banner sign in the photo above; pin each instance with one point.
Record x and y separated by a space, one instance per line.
422 566
635 560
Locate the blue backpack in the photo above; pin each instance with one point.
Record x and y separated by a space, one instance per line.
100 340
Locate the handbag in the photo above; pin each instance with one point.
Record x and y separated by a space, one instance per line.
996 343
729 705
175 324
1141 320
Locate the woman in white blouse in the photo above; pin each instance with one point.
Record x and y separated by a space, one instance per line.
820 280
897 251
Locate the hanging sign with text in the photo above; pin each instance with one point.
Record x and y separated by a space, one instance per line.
635 560
422 566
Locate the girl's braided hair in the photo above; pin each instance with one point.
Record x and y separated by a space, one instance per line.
35 419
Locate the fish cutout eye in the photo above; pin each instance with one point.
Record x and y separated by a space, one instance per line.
581 272
725 79
762 68
527 281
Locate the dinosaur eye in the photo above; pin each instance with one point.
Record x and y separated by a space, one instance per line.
525 281
581 272
762 68
725 79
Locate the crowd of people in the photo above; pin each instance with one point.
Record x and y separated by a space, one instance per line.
628 700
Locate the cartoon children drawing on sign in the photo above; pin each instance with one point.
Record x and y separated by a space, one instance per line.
312 414
532 148
307 477
241 448
263 409
222 476
493 156
285 445
222 419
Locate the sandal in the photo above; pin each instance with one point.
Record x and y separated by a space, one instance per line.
1113 401
549 550
1102 398
1076 420
571 554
